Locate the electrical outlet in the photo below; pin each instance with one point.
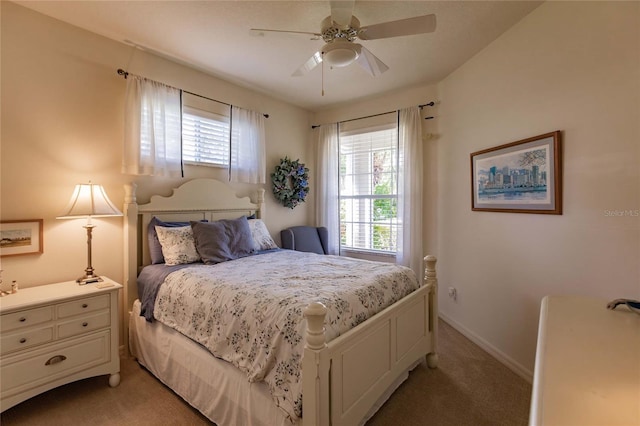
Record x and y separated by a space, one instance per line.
453 293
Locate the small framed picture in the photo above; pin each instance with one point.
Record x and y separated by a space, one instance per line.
519 177
18 237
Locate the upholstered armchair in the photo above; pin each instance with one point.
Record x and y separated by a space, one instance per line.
305 238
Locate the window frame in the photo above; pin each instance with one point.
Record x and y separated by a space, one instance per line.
392 222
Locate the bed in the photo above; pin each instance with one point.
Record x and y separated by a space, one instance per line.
341 375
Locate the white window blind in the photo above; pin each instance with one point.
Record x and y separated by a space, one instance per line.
205 137
369 189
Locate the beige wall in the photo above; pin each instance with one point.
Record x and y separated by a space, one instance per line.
570 66
62 124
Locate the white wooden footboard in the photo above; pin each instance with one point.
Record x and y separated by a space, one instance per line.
343 379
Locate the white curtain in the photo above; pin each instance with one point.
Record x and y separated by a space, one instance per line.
153 129
248 162
410 190
327 204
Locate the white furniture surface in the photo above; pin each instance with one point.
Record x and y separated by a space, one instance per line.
587 368
344 380
56 334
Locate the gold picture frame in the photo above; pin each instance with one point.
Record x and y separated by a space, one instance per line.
519 177
20 237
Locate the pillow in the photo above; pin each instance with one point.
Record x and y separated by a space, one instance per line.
177 243
155 248
261 238
223 240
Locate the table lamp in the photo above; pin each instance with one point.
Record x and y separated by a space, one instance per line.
89 200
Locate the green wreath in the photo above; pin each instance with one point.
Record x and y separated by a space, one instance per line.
290 182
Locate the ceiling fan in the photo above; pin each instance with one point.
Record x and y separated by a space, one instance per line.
341 29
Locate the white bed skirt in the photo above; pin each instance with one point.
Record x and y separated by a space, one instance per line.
213 386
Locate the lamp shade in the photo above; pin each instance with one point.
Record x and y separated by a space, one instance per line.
89 200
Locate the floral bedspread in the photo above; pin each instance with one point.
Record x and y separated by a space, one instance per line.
248 311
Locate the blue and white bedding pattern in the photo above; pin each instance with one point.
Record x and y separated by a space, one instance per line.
249 311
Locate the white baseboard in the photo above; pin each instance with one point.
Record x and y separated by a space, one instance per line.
512 365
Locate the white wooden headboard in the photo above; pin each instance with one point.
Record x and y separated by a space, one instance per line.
196 199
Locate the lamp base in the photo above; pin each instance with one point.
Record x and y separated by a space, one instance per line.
88 279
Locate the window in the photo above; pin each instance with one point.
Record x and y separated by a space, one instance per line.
205 131
369 189
205 137
166 127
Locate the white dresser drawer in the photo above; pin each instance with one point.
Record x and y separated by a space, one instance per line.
56 334
25 339
25 318
47 364
83 324
81 306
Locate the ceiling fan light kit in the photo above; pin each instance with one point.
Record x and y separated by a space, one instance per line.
340 53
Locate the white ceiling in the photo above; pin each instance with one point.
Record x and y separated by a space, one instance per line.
214 36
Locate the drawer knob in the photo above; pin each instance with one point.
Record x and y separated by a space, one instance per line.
84 324
23 340
55 359
84 305
22 319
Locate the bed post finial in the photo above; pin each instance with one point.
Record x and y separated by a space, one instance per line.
314 313
260 203
130 193
430 270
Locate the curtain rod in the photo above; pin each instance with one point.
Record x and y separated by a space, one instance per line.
429 104
125 74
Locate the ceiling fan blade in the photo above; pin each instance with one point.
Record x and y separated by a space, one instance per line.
403 27
341 12
311 63
261 32
370 62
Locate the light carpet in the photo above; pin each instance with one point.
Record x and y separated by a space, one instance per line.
469 387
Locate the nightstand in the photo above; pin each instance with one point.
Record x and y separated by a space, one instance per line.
55 334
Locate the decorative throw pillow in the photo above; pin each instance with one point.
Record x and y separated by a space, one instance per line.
223 240
261 237
178 246
155 248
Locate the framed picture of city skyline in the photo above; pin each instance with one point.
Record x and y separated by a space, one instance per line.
519 177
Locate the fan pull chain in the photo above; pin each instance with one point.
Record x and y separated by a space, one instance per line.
322 73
